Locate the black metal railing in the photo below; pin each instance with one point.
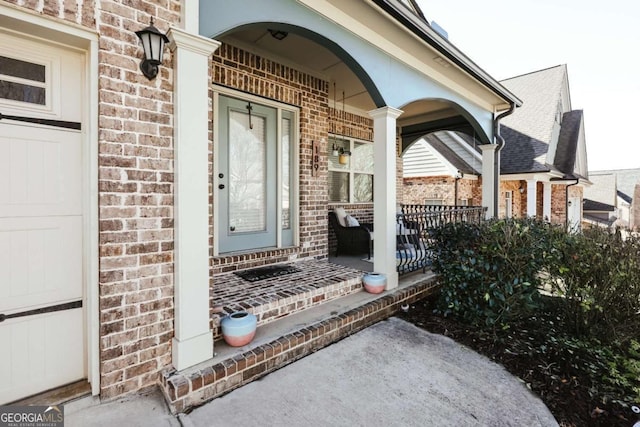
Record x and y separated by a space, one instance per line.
413 228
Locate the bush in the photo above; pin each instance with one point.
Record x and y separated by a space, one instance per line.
598 276
490 272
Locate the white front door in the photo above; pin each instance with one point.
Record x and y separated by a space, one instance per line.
42 334
574 214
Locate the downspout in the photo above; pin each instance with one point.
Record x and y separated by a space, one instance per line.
566 203
496 161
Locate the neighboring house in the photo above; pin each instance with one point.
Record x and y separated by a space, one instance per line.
543 165
125 200
610 200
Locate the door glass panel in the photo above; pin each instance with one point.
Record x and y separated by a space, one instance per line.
247 173
286 175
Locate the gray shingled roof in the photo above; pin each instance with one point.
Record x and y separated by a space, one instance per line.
540 91
566 151
528 131
603 189
522 153
592 205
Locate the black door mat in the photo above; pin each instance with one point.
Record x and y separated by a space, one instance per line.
262 273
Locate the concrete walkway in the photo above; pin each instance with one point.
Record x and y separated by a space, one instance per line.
390 374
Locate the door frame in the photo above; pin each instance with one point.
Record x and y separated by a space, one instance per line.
37 27
295 170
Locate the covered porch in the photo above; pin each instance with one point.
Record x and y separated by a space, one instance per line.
311 74
300 312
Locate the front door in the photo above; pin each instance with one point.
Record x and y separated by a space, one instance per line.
247 180
574 213
42 340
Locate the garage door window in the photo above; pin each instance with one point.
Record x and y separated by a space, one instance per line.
22 81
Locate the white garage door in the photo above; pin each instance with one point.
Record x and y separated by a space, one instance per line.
42 337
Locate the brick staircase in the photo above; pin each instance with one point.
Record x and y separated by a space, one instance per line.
298 314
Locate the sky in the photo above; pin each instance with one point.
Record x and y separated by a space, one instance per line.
598 40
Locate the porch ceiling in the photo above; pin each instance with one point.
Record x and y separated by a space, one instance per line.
312 57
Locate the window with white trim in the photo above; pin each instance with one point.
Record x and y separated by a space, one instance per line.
350 170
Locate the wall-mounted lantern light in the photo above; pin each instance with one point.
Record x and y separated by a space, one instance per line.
153 44
343 155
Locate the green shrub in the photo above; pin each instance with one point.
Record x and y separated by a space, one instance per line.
490 272
598 277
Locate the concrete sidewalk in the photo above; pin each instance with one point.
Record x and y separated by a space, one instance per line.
392 373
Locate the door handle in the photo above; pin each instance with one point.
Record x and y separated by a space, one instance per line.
221 186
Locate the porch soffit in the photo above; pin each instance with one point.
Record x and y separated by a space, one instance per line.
374 50
371 25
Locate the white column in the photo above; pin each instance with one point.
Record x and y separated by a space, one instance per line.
193 340
490 182
190 16
546 201
384 193
532 197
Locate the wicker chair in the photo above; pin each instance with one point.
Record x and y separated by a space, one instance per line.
351 240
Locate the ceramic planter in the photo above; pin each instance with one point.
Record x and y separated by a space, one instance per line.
238 328
374 282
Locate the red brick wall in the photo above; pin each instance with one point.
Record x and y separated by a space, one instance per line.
417 190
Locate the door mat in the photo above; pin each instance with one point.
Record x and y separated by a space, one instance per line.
262 273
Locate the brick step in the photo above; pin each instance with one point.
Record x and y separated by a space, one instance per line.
286 340
316 283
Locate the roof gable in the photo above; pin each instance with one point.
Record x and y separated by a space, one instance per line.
625 180
541 92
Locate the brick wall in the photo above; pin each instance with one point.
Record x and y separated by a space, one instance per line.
417 190
136 199
77 11
634 216
559 201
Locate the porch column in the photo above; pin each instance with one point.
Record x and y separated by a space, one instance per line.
546 201
490 182
193 339
384 193
190 16
532 197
